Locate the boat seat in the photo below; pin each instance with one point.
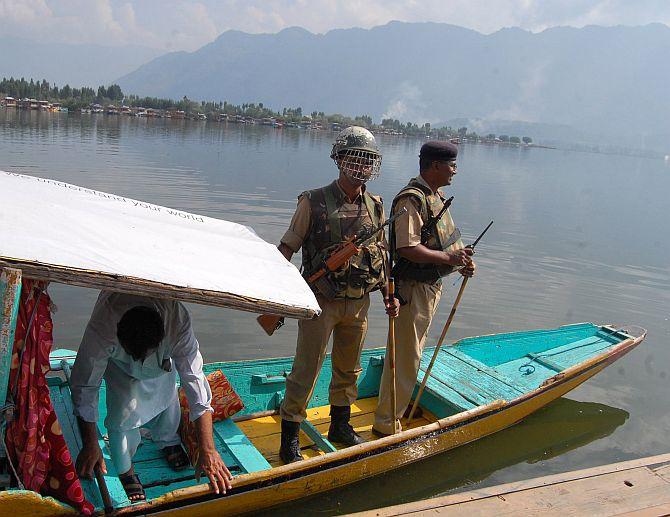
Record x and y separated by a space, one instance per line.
532 369
237 452
240 447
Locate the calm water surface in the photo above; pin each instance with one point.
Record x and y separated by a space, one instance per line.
577 237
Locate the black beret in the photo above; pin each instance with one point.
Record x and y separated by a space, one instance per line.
438 150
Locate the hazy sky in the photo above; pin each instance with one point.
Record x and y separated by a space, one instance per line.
189 24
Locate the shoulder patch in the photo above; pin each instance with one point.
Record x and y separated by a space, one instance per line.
415 201
416 197
414 192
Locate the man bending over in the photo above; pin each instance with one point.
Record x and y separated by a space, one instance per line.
138 345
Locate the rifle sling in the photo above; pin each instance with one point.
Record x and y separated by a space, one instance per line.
333 220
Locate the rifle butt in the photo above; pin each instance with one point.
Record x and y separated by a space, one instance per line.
270 322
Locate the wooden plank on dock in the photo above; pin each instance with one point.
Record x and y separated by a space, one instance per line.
663 471
637 487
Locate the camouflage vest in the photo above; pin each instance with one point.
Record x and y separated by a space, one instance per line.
334 220
444 236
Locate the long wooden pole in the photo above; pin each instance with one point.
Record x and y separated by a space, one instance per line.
391 352
437 348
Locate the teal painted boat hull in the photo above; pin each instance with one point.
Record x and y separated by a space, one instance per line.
484 375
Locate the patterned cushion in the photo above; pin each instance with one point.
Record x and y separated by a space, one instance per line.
225 403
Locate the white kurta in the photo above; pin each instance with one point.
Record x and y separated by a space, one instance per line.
137 391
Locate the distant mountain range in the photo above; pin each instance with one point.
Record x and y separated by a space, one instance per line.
598 82
605 84
76 65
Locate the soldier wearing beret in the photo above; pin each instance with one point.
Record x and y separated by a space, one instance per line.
419 269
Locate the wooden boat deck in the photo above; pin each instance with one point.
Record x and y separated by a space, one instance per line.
236 451
638 487
247 446
265 432
464 378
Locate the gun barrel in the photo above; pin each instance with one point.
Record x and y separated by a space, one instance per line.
432 221
400 212
446 205
481 235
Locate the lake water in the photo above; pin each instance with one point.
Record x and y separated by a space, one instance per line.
577 237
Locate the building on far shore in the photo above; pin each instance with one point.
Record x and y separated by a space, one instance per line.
8 102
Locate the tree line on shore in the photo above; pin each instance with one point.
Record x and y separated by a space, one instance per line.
84 97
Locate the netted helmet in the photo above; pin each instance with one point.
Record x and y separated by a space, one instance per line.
356 153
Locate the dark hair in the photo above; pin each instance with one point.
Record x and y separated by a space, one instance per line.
140 330
425 163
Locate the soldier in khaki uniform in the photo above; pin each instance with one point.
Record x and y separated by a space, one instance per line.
324 218
419 270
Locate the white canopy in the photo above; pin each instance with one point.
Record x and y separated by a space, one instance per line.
57 231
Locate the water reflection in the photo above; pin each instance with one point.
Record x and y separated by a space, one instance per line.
562 426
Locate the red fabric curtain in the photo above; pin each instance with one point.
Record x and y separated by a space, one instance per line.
34 438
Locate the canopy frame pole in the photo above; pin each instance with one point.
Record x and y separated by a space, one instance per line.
143 287
10 296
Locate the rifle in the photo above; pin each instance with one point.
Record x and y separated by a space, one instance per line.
426 231
336 260
472 246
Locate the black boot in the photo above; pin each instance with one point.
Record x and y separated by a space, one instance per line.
340 431
290 445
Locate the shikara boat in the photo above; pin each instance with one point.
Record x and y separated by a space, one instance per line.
478 386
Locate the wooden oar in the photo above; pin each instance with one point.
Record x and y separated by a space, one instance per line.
437 348
391 351
99 477
446 327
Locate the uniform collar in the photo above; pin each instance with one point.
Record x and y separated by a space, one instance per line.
423 182
342 196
